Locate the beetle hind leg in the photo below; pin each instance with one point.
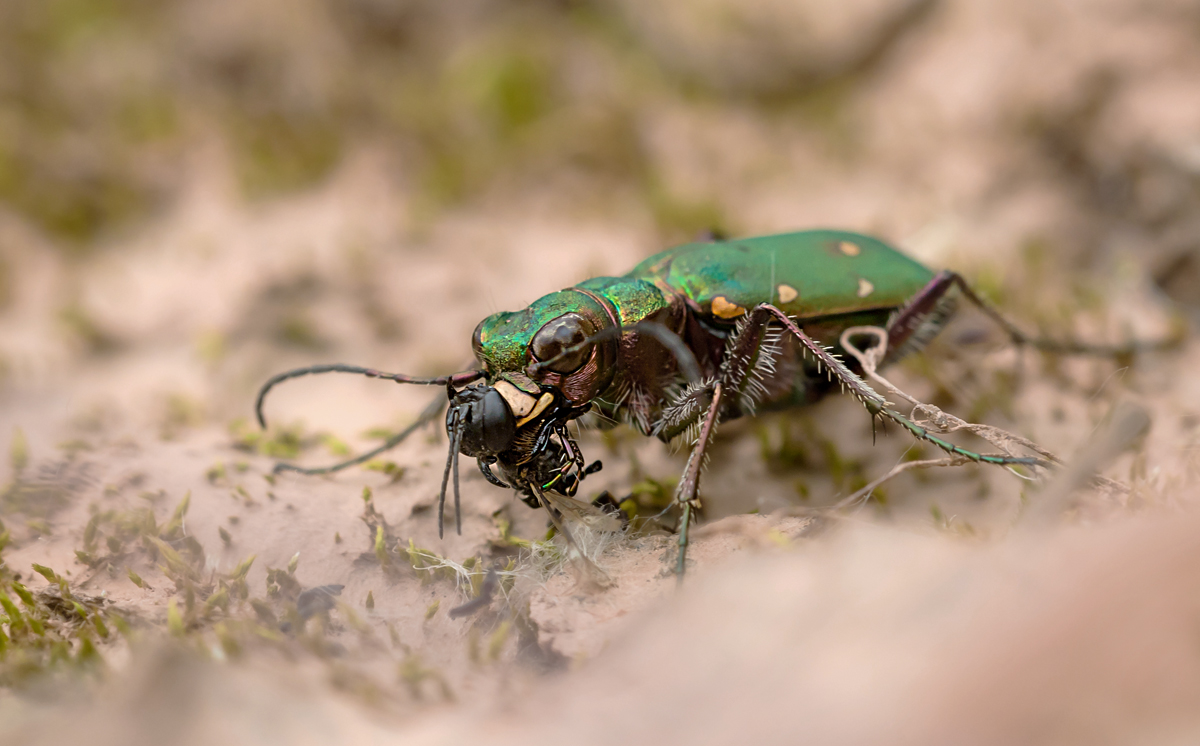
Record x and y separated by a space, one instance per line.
927 312
924 315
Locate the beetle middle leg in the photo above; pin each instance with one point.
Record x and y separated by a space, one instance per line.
876 404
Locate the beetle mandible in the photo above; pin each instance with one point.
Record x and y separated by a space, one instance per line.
693 336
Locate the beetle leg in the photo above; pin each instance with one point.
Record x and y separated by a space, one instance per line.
926 312
689 484
880 407
921 318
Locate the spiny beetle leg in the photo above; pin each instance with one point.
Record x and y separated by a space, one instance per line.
738 367
925 313
921 318
878 406
921 433
689 484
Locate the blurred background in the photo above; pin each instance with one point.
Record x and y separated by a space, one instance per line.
196 194
221 174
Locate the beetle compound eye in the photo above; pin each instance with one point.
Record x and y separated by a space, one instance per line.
558 335
477 340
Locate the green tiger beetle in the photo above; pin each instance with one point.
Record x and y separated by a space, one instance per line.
694 336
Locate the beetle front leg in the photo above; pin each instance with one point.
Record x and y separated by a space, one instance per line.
689 484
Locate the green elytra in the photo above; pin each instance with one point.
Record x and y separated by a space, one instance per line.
822 273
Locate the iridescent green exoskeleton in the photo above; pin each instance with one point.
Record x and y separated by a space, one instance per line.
691 337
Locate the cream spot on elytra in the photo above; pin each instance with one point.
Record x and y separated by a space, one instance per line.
849 249
865 288
724 309
787 293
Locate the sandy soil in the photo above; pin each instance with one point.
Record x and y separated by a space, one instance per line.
1047 149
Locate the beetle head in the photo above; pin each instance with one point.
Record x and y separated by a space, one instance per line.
545 345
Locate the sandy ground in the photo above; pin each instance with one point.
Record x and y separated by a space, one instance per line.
959 606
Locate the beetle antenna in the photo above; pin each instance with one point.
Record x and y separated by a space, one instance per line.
457 378
427 415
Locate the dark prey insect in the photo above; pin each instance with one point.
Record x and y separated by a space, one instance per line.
692 337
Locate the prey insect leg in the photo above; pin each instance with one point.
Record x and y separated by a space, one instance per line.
574 456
